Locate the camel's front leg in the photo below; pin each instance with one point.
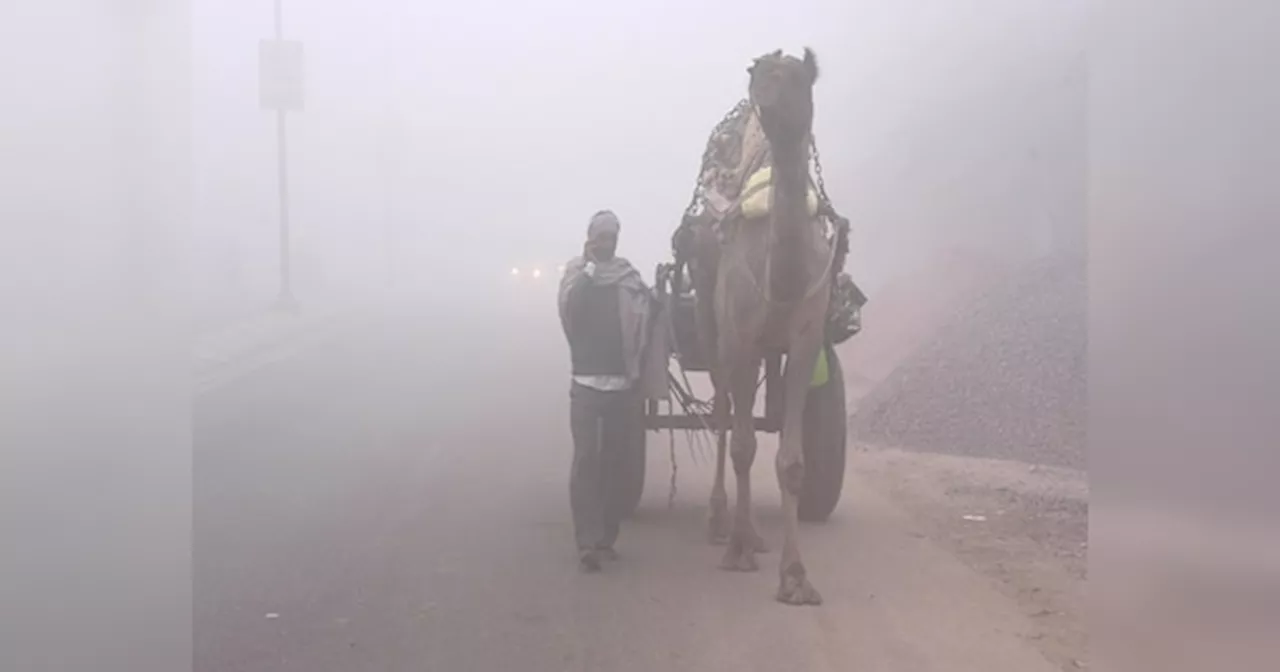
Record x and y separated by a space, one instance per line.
794 587
744 541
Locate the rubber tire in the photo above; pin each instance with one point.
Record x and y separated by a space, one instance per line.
825 434
633 479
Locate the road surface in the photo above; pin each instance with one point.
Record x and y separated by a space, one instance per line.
395 499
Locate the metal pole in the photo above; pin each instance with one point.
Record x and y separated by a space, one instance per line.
389 169
391 149
386 140
286 300
388 213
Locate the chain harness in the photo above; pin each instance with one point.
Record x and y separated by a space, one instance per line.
698 201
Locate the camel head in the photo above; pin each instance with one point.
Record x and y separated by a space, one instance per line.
781 88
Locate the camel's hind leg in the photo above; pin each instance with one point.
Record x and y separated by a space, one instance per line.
744 541
794 587
718 526
704 321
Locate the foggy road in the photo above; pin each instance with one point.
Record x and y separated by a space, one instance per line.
396 499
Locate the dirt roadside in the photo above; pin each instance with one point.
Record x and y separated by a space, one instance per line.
1024 527
977 365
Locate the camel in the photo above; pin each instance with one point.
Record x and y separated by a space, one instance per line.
772 285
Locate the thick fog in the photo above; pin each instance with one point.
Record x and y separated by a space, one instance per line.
443 144
467 138
461 140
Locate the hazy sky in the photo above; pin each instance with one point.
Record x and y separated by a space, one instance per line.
483 134
489 131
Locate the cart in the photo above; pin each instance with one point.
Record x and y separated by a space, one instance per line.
825 415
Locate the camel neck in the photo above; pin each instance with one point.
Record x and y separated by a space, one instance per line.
789 223
790 189
789 163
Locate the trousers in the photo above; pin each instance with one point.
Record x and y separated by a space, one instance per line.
601 424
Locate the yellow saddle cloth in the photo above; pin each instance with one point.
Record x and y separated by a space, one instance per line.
757 195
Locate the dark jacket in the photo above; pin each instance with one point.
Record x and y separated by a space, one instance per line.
593 326
644 328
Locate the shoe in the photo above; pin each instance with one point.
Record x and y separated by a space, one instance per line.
589 562
607 554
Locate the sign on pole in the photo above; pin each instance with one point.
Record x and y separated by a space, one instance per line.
280 75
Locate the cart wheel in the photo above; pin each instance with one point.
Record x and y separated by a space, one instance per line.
633 469
825 427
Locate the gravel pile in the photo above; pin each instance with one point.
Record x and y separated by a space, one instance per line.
1005 378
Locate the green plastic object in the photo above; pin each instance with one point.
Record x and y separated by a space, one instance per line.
820 371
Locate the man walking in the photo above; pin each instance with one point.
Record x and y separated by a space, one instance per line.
605 309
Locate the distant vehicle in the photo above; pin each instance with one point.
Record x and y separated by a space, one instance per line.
529 272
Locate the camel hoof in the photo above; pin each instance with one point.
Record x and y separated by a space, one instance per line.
759 544
795 588
739 557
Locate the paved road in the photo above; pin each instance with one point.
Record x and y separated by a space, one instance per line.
396 500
